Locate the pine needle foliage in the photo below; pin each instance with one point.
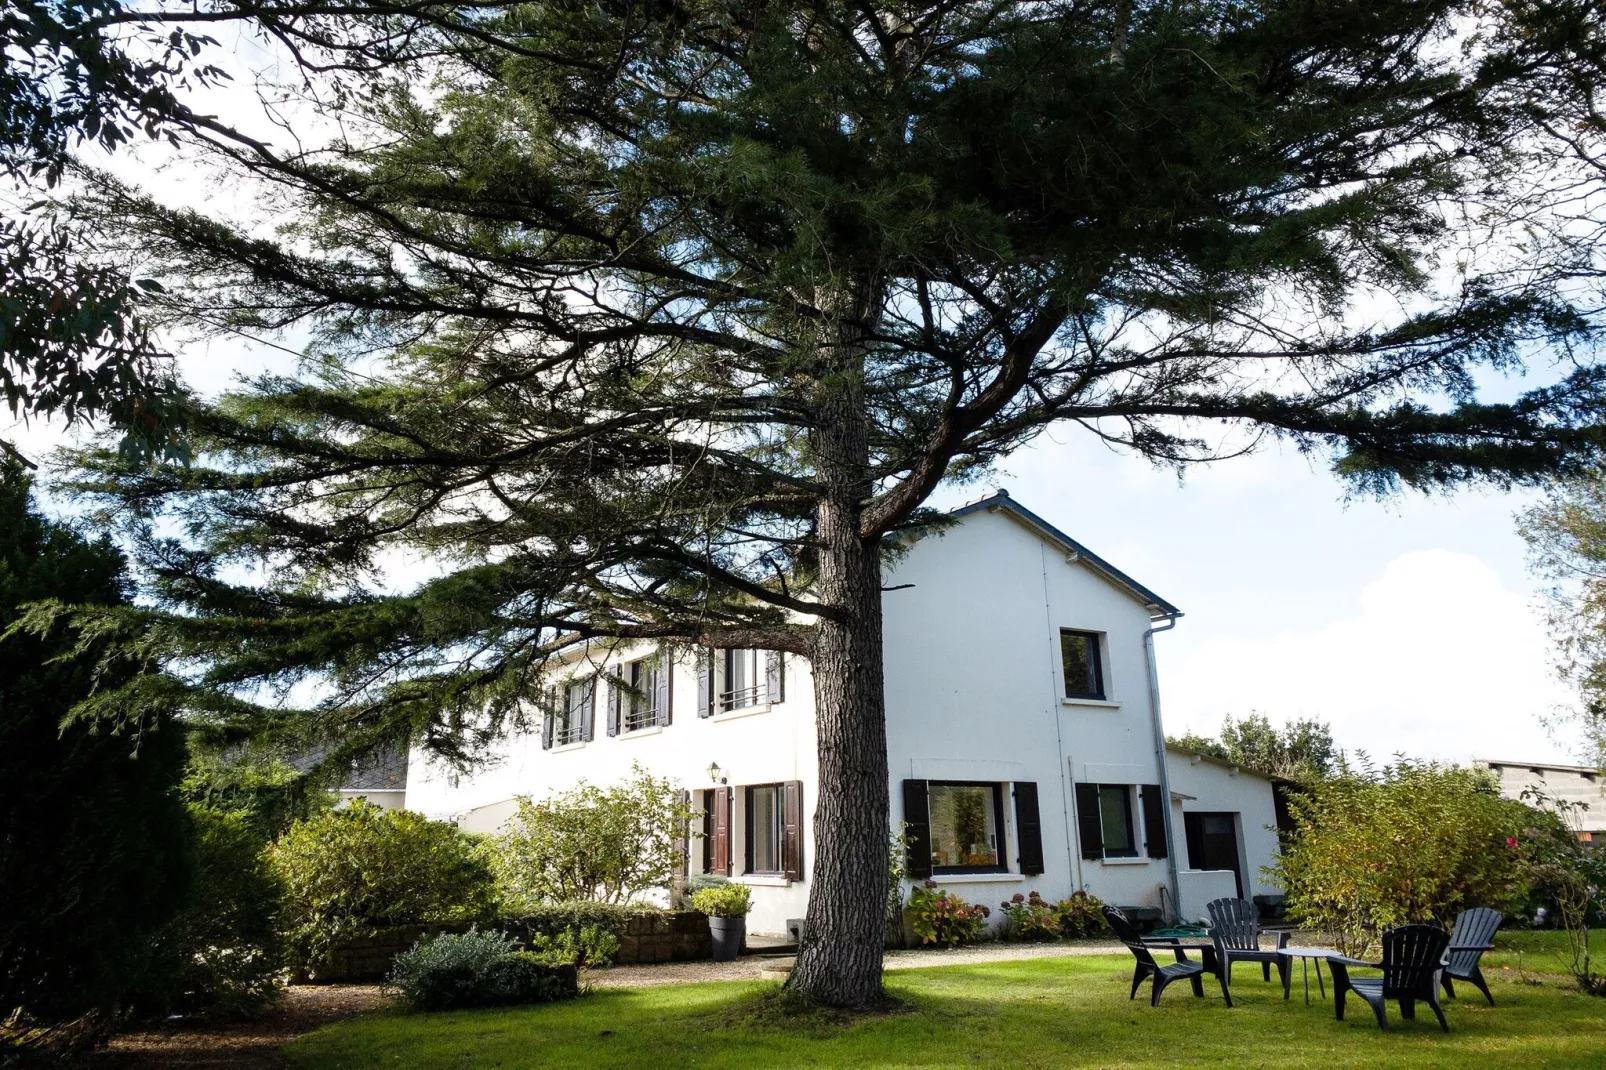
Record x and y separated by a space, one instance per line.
651 322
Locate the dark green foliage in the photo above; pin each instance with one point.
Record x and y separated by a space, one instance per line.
352 870
1300 750
95 843
223 954
701 303
478 969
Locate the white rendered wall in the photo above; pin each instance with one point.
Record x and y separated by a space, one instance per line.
974 693
762 745
1217 788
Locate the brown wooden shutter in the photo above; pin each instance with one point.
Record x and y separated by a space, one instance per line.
1089 825
1028 828
792 830
705 683
547 725
1153 820
774 676
665 689
588 709
917 829
722 832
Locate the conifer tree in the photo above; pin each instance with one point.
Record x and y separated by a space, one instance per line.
661 321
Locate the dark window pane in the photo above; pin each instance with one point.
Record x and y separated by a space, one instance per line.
964 826
1115 812
1079 657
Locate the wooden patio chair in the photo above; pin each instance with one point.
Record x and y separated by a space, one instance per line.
1235 928
1473 935
1147 967
1412 965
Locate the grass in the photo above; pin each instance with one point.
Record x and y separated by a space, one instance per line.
1040 1013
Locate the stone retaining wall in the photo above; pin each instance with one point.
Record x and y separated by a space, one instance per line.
665 936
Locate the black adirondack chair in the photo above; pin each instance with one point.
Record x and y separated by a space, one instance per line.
1235 928
1473 935
1412 964
1146 966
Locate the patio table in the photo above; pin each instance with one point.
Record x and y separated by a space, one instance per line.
1305 955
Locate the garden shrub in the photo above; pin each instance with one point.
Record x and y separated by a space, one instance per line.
589 945
1031 917
223 953
1028 917
1414 843
1080 915
940 917
723 901
607 844
478 969
352 870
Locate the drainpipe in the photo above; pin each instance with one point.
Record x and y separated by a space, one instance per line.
1159 757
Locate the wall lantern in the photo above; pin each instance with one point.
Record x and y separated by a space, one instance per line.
713 773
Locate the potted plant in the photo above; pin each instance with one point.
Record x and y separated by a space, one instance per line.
727 906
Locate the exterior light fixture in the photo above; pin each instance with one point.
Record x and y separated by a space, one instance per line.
713 773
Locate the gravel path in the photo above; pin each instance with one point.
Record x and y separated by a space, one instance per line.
747 969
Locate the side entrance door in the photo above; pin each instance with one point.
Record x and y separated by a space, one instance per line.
1213 843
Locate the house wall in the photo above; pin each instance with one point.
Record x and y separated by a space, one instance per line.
974 693
1581 788
1218 788
761 745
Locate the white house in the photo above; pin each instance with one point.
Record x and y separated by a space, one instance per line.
1023 738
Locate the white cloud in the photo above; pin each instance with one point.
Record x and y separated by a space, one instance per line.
1441 660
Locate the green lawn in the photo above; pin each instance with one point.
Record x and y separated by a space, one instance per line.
1045 1012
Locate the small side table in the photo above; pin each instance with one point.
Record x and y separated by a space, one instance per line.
1305 955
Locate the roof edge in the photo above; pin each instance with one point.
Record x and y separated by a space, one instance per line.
1159 608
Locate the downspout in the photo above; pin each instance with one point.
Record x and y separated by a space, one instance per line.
1159 757
1071 853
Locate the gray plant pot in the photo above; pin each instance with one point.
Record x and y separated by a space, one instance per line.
728 933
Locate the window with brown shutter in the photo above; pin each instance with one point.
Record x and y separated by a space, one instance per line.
792 830
1153 820
1028 828
1089 824
720 861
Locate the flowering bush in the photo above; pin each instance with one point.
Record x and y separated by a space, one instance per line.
1031 917
1080 915
940 917
1028 917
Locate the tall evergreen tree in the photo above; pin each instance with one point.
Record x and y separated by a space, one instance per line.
660 321
95 844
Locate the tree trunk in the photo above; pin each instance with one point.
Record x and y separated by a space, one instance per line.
839 963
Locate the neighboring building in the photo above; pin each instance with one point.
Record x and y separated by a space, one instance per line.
1579 785
1023 739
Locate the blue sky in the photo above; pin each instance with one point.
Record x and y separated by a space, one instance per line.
1410 624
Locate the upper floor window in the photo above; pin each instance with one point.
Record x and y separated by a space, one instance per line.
1082 664
639 704
568 715
739 679
571 721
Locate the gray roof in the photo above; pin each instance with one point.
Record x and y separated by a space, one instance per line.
1159 608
